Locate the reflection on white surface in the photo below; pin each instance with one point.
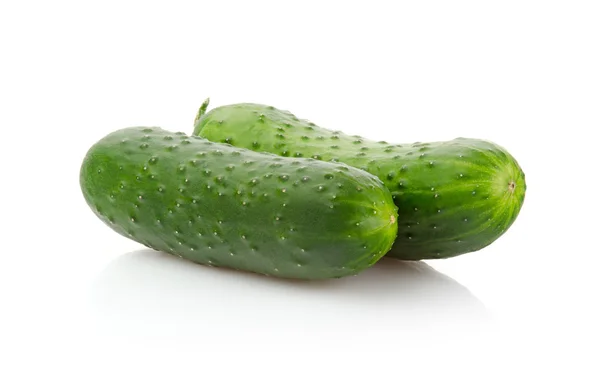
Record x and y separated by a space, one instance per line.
153 294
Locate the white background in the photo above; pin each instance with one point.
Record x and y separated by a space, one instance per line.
81 302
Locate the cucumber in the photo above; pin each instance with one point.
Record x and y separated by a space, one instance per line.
453 197
219 205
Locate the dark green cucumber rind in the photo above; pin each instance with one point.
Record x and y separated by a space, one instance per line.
453 197
219 205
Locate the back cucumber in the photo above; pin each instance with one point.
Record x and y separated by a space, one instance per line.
453 197
219 205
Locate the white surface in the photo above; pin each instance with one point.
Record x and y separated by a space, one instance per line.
81 302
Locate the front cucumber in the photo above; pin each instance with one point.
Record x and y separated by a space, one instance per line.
453 197
219 205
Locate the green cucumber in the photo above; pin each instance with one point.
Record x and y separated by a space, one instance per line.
219 205
453 197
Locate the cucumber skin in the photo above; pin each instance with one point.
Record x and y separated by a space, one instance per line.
218 205
453 197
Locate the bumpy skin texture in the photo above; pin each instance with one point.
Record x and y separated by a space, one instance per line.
219 205
453 197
